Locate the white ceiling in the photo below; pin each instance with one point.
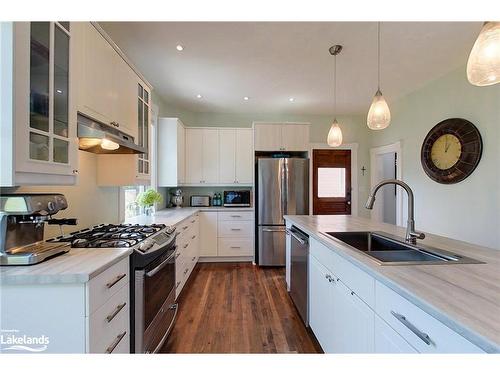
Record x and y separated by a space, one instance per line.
270 62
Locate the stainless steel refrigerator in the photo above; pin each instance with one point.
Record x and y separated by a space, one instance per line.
282 189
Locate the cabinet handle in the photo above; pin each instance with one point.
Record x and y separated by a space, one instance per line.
235 229
421 335
113 282
193 221
193 237
192 260
115 343
184 228
75 171
235 215
119 308
177 284
186 245
177 255
329 278
186 271
235 247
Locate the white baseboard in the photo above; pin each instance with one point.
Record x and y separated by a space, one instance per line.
225 259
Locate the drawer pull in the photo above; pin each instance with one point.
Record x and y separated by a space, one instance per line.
184 228
193 237
177 255
119 308
193 259
115 343
329 278
235 247
193 221
186 245
235 215
421 335
177 284
186 271
117 278
235 229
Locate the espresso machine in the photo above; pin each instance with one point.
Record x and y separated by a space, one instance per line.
22 220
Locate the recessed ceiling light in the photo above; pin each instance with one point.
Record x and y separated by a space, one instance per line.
199 96
179 47
291 99
245 98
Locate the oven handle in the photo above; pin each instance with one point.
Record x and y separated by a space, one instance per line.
175 307
159 267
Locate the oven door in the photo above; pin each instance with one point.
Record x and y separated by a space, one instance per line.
155 318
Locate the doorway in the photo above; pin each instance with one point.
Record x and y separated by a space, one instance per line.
331 182
386 164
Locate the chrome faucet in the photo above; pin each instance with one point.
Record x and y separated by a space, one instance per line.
411 233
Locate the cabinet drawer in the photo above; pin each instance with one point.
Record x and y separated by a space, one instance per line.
421 330
109 320
102 287
356 279
235 229
236 216
388 341
235 247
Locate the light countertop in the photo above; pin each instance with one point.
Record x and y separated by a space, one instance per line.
173 216
464 297
76 266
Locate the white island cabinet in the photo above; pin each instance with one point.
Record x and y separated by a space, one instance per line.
70 301
351 312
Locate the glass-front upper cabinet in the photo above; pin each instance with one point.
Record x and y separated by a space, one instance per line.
143 128
45 149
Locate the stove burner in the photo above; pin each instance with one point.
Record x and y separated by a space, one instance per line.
110 235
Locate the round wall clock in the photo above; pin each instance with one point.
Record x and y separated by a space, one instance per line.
451 150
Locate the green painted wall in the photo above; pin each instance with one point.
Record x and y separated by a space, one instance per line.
468 210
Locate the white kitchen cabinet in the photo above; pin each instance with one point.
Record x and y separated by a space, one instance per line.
244 156
194 156
38 116
171 152
321 304
188 250
281 137
73 317
208 234
227 156
202 156
389 341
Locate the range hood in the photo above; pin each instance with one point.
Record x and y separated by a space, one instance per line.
99 138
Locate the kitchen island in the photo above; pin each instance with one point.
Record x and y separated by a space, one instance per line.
463 297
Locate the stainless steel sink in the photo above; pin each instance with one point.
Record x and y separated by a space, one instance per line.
387 249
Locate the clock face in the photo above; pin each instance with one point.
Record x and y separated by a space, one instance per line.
451 151
446 151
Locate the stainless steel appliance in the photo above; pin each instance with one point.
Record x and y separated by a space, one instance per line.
199 201
100 138
177 198
22 220
152 265
282 189
299 271
237 198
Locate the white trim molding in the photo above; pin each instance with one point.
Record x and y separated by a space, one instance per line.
354 172
375 152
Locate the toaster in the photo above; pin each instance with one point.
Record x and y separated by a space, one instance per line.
200 201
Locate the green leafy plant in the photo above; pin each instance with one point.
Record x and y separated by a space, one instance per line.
149 198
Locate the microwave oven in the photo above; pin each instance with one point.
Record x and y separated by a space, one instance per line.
240 198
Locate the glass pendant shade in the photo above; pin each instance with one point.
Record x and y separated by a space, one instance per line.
379 115
334 135
483 66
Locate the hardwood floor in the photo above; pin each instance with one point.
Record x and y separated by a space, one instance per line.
238 308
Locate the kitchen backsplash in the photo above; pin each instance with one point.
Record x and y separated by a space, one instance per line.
187 191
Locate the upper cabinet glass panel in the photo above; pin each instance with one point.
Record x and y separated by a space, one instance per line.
61 77
39 75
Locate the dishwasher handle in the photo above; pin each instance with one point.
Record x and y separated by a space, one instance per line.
303 241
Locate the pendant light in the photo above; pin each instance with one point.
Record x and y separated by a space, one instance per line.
334 138
379 115
483 66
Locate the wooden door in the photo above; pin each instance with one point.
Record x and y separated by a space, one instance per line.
331 182
244 156
227 152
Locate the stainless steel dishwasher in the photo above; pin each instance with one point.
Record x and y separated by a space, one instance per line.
299 271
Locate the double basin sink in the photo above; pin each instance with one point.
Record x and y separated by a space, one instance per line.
390 250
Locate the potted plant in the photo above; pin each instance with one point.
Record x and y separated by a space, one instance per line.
148 199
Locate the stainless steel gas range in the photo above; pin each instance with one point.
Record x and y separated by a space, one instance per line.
152 266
